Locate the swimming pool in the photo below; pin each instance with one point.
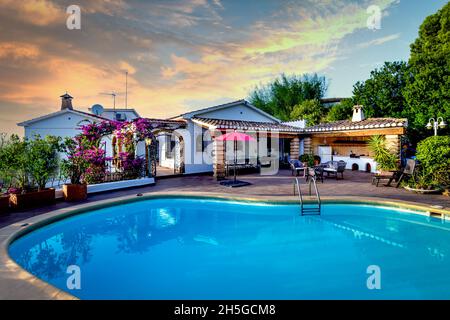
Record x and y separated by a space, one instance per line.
189 248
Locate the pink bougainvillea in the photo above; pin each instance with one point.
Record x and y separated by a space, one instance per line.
90 149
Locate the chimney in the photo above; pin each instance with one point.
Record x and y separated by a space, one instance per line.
358 114
66 102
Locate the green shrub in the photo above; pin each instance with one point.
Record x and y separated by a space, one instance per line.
384 158
6 175
26 164
433 154
15 163
308 158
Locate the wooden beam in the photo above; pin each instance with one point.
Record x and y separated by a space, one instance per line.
362 133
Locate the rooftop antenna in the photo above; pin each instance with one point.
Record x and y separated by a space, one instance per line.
126 89
112 94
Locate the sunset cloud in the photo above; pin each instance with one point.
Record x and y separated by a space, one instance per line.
180 55
36 12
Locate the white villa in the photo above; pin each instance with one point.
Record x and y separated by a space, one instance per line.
187 142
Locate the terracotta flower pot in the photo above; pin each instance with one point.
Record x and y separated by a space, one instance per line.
4 204
75 192
32 199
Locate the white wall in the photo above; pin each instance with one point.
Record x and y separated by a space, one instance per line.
195 160
63 125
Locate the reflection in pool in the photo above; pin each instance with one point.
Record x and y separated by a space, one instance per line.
209 249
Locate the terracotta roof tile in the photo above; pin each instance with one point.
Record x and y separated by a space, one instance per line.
343 125
371 123
246 125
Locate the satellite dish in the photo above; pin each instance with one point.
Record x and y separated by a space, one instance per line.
97 109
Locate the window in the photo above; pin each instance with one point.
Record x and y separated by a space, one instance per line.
269 144
201 143
121 117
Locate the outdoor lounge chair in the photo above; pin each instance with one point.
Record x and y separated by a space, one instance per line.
378 177
407 172
398 175
297 167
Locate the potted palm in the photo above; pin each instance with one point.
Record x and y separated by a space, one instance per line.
73 169
41 164
386 161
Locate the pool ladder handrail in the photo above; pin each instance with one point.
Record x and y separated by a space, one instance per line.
316 210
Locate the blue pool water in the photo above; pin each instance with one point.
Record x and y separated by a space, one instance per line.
209 249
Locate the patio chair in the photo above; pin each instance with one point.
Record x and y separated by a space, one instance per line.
316 172
297 167
336 168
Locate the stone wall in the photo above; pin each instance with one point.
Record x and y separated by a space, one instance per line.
307 145
219 158
393 143
295 148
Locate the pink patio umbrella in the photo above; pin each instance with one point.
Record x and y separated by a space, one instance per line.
235 137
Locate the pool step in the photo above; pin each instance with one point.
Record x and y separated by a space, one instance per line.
312 209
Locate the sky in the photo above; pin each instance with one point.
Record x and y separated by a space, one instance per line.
183 55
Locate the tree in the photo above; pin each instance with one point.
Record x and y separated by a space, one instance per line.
279 97
341 111
427 92
310 110
382 93
43 159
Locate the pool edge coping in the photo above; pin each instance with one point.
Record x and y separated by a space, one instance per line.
19 284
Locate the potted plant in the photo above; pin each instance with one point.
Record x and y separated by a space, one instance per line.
41 164
4 174
317 160
15 164
73 168
4 203
386 161
433 174
307 160
420 183
4 200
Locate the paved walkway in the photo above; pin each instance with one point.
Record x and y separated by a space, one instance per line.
355 184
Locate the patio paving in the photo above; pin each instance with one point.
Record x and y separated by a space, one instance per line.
355 184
